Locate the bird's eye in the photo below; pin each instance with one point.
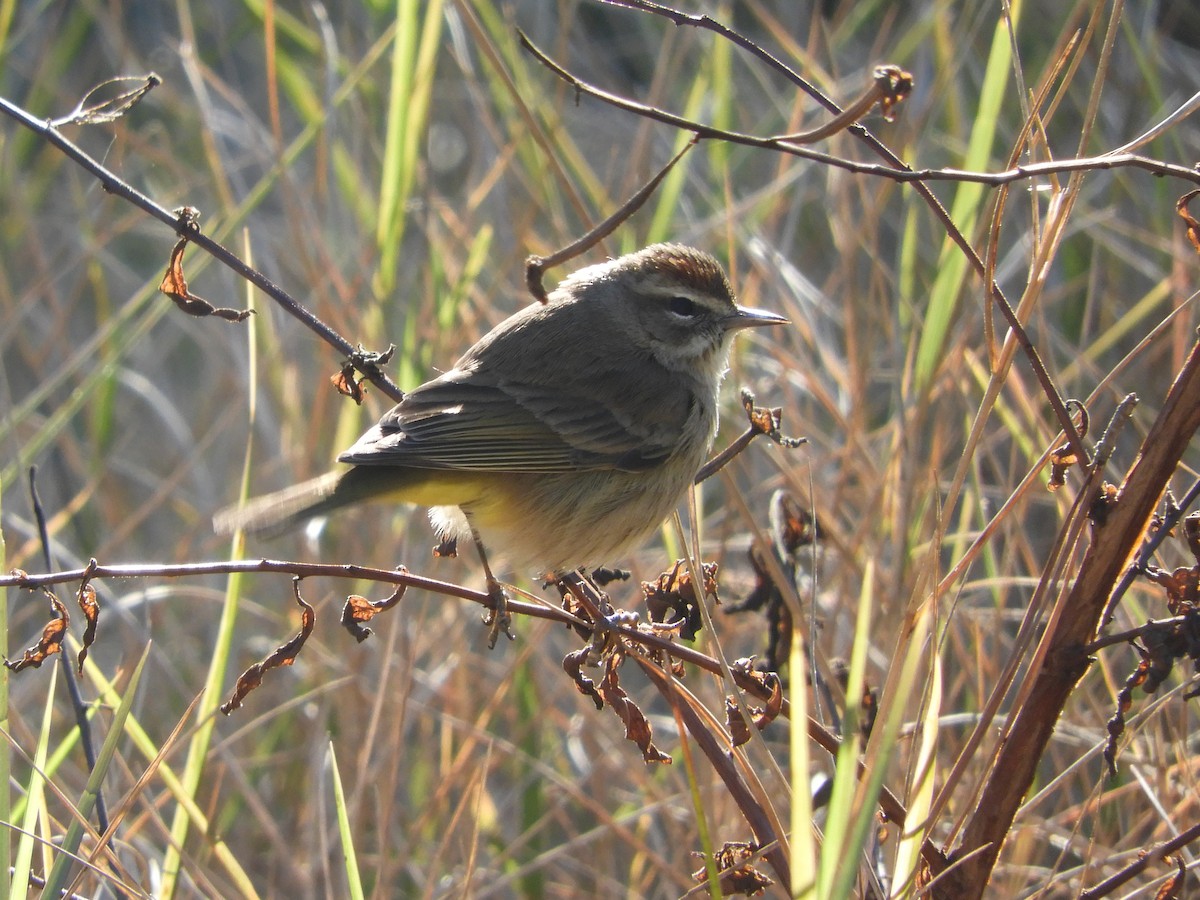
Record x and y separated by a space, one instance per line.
685 307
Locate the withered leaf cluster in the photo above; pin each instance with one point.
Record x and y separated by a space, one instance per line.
672 601
610 692
768 421
738 875
761 716
348 382
1160 644
895 84
793 529
612 641
55 631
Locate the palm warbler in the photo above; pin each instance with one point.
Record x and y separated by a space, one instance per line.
567 433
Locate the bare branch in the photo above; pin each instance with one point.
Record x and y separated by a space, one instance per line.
1145 859
114 185
894 169
1061 660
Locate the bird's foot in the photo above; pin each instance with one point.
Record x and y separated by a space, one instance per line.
497 618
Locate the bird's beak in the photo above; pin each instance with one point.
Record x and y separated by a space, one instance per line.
745 317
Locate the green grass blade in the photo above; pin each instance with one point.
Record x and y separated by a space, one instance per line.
921 789
70 843
35 797
354 888
903 679
952 267
803 857
844 835
146 745
413 60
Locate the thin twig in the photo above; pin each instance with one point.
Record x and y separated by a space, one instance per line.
895 170
116 186
718 462
536 266
764 421
179 570
1124 637
1146 858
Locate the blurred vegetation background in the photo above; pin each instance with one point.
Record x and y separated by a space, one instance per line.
391 165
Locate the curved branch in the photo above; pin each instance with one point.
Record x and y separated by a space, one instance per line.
894 169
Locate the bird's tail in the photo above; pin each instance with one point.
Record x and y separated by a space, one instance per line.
283 510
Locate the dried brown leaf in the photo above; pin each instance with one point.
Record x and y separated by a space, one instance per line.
735 724
283 655
1191 534
1193 227
51 641
90 604
637 728
93 111
175 286
1172 888
1063 457
761 716
359 610
348 385
446 549
895 84
1105 500
573 665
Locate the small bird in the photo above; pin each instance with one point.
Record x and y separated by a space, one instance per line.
567 433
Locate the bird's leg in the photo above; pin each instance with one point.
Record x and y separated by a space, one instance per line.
497 618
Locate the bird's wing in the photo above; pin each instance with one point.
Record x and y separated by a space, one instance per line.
461 421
